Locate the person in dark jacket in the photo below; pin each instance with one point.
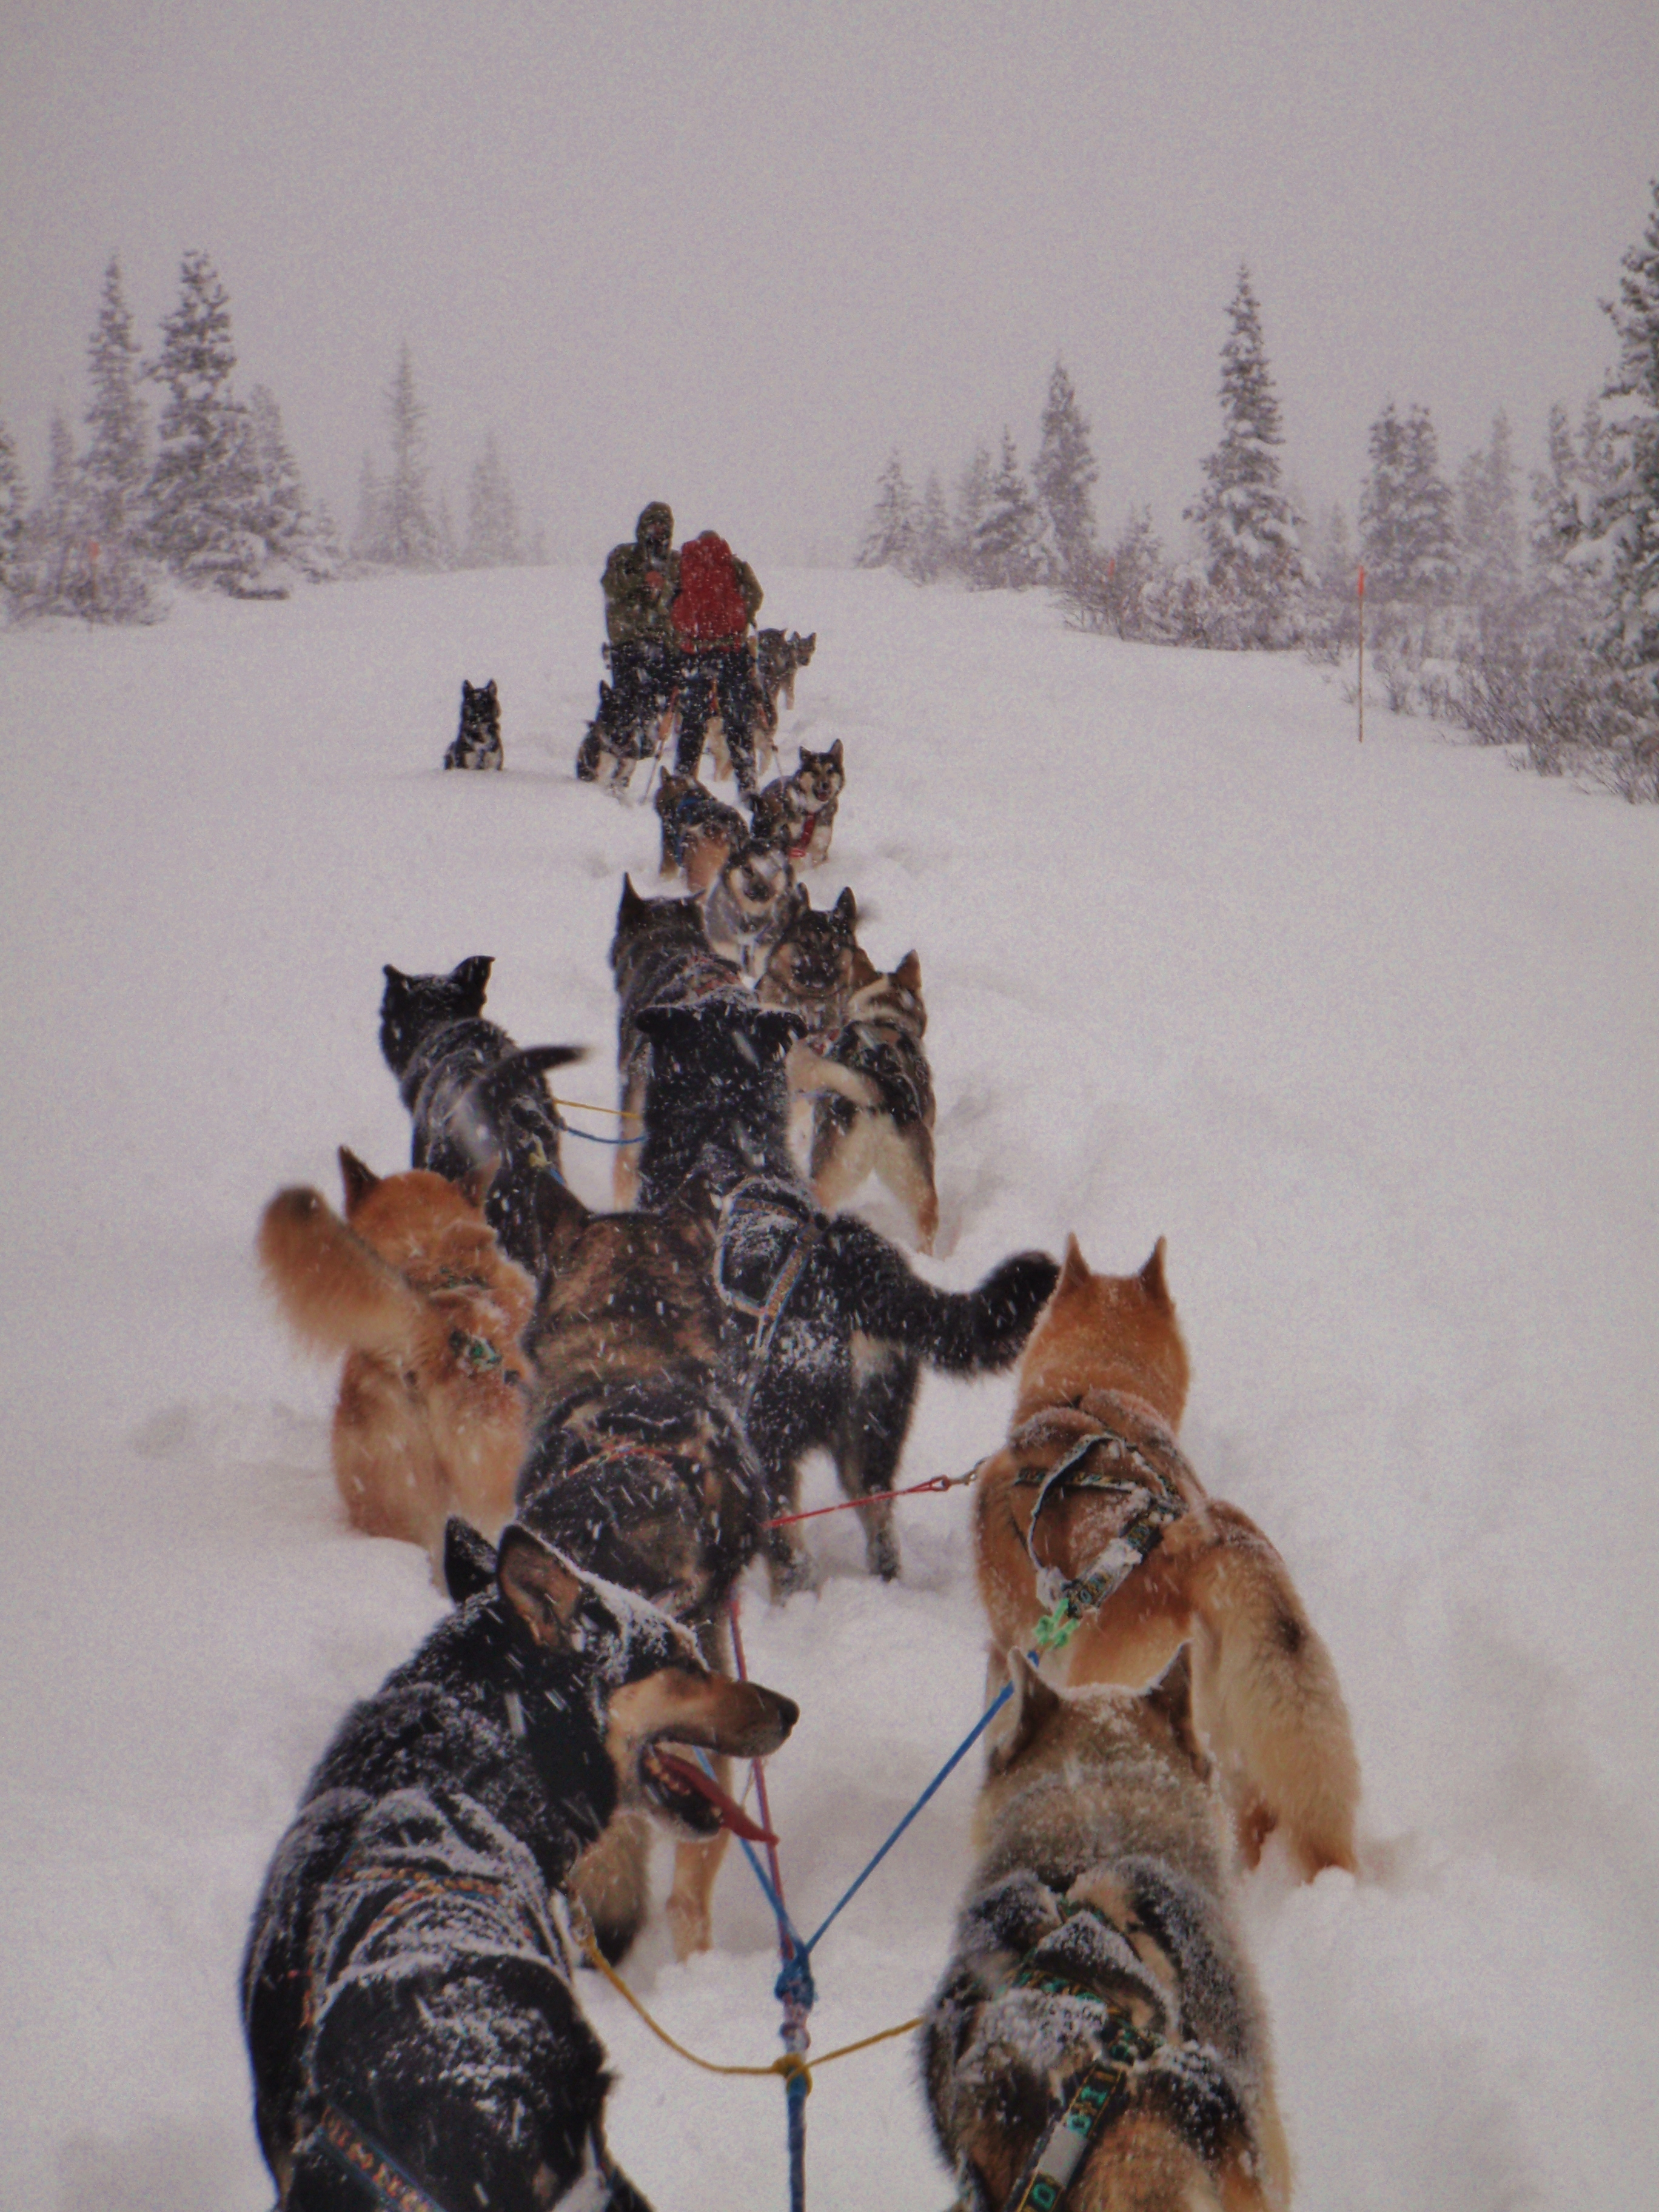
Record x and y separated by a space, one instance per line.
717 600
640 578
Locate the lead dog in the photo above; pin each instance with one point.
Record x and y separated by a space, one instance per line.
1098 2040
1092 1515
413 2036
430 1312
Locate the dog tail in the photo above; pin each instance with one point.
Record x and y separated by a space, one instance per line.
335 1292
959 1332
1269 1699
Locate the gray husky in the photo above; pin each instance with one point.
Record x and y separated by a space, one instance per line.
1098 2040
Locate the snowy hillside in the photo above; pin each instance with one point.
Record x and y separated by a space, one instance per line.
1369 1033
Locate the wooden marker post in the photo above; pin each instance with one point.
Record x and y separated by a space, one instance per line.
1362 653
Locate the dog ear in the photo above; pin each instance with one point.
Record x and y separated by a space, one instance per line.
474 1185
469 1559
835 753
630 906
908 974
864 970
395 977
1152 1284
490 688
537 1585
1171 1695
846 908
467 690
358 1180
1033 1702
1074 1268
471 978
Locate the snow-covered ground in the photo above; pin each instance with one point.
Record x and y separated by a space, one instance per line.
1369 1032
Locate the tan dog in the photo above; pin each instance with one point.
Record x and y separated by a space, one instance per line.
428 1310
1099 2040
1091 1505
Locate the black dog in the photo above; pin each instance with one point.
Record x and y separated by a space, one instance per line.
406 1992
477 743
475 1097
799 1285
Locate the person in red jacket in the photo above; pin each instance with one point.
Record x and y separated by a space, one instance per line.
717 600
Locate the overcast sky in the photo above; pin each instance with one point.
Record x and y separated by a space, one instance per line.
728 255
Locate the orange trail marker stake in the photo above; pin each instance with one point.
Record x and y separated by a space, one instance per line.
1362 653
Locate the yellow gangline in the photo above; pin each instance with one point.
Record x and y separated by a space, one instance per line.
790 2063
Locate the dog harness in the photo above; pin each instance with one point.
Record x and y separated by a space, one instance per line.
750 1211
1153 1497
1130 2059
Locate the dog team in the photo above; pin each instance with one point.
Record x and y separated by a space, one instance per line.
594 1422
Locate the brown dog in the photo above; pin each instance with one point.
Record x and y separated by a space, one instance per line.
1090 1516
428 1310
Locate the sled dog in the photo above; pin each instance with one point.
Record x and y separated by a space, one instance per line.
826 1326
797 813
1098 2040
639 1470
777 661
699 833
1092 1515
809 971
747 904
477 743
880 1039
413 1289
407 1990
474 1096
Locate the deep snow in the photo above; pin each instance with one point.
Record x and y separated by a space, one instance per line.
1368 1032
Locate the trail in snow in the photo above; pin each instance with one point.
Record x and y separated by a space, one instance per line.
1367 1032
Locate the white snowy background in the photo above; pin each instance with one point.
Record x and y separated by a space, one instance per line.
1368 1032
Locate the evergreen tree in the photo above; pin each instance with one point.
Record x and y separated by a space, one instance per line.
1489 532
113 469
1406 536
1567 497
889 535
1251 530
204 494
1005 541
932 549
1431 532
492 518
973 497
1626 527
408 537
371 512
283 516
13 508
1062 473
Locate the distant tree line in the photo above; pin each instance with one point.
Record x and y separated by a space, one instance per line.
211 495
1545 636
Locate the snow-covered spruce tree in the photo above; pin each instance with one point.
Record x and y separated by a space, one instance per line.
973 497
50 568
204 494
1251 530
492 514
14 508
1406 535
1061 476
1489 531
1568 495
1627 520
1005 541
408 537
283 516
889 535
371 513
933 547
114 469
